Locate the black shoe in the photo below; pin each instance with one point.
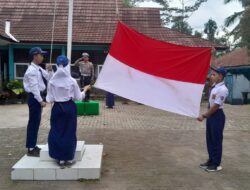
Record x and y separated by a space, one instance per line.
69 163
34 153
213 168
205 165
61 164
39 149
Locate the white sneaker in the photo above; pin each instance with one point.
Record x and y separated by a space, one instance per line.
213 168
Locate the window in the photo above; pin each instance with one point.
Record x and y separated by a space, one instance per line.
99 68
20 69
75 72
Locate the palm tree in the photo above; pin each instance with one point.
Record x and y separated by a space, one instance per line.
235 17
210 29
131 3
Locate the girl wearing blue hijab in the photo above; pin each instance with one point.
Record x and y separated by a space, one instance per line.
63 90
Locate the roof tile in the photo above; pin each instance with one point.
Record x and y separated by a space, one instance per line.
93 22
238 57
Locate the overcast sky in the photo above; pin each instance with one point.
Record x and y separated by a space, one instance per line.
215 9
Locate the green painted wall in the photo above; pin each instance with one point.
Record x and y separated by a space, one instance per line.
62 47
11 63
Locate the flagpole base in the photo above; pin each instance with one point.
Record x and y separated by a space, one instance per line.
87 167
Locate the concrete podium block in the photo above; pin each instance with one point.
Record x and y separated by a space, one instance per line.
32 168
67 174
24 168
45 170
44 154
90 167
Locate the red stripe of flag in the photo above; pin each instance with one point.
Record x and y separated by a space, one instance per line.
158 58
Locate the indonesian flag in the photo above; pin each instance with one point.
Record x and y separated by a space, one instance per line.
155 73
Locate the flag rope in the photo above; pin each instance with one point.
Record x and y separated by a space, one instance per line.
52 32
117 10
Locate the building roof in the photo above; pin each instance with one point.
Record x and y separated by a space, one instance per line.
94 22
238 57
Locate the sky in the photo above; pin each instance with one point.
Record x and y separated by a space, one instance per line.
214 9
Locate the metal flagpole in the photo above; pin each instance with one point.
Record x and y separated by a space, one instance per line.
70 25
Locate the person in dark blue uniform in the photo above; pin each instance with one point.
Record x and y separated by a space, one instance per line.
34 81
215 120
62 91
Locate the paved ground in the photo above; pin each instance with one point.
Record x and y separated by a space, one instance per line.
146 149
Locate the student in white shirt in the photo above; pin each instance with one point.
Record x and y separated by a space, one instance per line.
215 120
34 82
63 90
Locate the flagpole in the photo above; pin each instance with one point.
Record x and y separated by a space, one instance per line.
70 25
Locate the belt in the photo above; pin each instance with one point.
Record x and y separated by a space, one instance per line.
70 100
41 93
61 104
218 111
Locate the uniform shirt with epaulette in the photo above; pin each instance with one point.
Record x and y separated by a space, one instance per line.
85 68
218 95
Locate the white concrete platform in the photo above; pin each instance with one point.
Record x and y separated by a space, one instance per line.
44 153
32 168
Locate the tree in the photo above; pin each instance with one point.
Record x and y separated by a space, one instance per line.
181 25
184 10
197 34
176 16
210 29
131 3
245 29
241 31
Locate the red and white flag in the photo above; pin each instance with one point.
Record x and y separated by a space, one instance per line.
155 73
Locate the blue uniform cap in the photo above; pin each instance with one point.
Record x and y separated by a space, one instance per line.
220 70
37 50
62 60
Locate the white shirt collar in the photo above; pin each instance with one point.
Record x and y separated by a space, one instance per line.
219 84
35 65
